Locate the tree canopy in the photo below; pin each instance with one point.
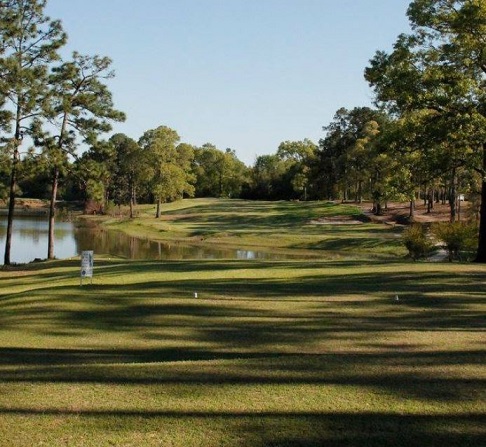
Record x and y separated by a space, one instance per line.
435 79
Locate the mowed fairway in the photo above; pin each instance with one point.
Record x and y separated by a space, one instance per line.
270 353
293 228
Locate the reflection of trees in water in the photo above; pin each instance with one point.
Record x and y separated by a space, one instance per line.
29 238
120 244
34 234
62 233
75 238
35 228
116 243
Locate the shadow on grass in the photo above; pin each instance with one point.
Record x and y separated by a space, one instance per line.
355 243
434 290
439 301
263 428
297 366
235 215
238 320
235 337
395 372
294 429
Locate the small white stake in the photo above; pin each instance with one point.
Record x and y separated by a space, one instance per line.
195 294
396 298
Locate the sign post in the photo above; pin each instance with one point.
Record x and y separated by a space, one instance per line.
86 265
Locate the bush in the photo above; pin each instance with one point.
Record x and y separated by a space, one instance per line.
458 237
416 240
109 208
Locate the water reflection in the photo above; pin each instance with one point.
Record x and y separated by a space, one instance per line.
30 237
120 244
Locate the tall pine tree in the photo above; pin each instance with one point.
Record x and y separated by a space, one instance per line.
80 107
29 43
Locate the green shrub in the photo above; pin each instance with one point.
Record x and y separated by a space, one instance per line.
110 208
416 240
459 237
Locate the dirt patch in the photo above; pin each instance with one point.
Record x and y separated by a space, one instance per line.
398 213
338 220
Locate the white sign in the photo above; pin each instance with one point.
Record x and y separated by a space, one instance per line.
87 264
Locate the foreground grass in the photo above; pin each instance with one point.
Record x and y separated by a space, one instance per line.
269 354
281 227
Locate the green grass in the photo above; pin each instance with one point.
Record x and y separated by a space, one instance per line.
281 227
287 353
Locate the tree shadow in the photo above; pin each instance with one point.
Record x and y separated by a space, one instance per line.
294 429
322 329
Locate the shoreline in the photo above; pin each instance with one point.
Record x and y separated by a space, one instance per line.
36 212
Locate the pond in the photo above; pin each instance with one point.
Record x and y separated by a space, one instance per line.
30 234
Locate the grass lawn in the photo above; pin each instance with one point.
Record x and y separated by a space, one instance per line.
271 353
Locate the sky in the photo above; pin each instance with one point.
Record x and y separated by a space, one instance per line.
239 74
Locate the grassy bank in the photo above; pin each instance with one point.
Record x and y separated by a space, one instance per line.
317 229
269 354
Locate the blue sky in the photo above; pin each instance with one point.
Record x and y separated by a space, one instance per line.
243 74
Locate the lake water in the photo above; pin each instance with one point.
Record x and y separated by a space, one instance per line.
30 236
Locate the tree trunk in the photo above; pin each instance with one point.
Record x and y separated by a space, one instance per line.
55 183
378 210
458 205
106 199
481 252
452 199
411 214
12 191
430 200
157 213
133 192
52 214
132 200
11 209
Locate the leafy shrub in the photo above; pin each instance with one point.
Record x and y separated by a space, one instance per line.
416 240
110 208
458 237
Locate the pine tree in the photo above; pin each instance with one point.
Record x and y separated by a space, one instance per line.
29 43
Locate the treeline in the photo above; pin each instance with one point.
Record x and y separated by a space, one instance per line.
361 158
158 168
